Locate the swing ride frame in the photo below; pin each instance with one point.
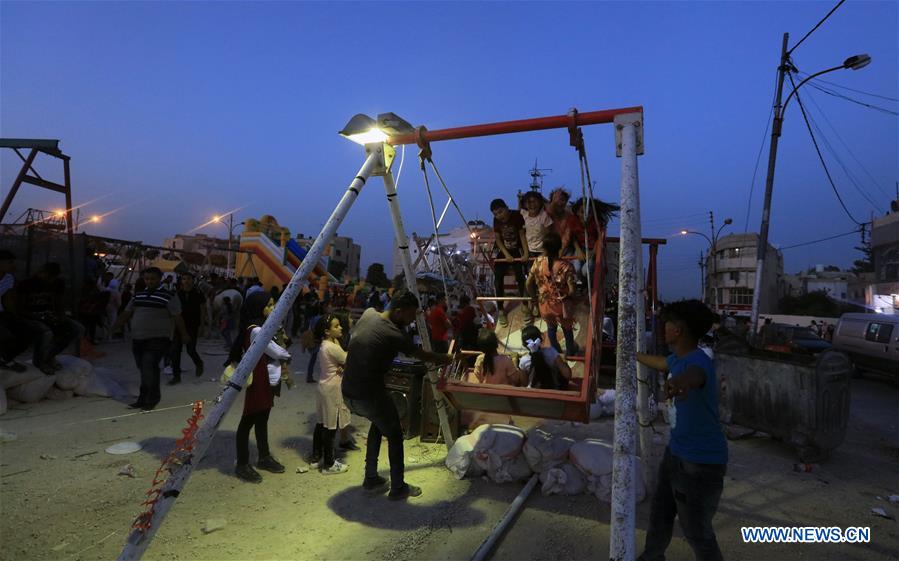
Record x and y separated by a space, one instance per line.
379 159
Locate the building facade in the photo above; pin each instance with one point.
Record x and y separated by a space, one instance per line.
343 251
883 293
730 271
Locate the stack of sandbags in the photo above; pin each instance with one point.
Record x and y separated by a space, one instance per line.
593 457
73 372
563 479
604 406
459 458
497 450
28 386
99 382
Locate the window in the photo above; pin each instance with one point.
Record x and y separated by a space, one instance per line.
879 332
740 296
338 253
735 276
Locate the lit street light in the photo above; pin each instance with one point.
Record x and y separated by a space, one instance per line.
856 62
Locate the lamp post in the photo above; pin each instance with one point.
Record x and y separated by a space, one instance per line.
713 243
852 63
218 219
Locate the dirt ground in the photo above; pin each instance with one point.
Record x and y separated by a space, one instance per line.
72 504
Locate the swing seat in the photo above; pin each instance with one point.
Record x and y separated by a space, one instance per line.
570 405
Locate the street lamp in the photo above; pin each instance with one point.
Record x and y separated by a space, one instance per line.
855 62
713 242
218 218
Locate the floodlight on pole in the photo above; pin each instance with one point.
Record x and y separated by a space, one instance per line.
364 130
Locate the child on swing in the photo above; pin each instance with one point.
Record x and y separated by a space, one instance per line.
552 282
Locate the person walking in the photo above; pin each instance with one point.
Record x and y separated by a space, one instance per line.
375 342
193 310
152 312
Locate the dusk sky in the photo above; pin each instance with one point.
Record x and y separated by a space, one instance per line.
177 111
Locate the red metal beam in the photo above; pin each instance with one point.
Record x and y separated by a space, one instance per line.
424 136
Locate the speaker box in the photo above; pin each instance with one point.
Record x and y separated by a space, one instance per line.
430 421
404 383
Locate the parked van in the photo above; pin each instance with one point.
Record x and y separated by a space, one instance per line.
871 341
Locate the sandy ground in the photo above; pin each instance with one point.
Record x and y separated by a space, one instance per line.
74 505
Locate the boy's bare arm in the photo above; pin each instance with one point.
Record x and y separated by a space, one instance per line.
655 362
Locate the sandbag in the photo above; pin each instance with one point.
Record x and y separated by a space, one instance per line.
604 406
497 450
33 391
544 451
593 457
563 479
10 379
57 394
4 405
73 370
100 384
459 458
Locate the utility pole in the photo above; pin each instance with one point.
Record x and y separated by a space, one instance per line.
230 238
769 187
714 268
703 296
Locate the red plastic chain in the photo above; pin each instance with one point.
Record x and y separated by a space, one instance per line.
183 446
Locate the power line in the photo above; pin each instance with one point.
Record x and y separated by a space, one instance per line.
818 150
853 100
857 230
849 150
834 9
805 74
836 157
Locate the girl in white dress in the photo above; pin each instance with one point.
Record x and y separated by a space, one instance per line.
332 413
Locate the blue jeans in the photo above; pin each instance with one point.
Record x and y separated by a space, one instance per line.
689 491
385 421
147 355
313 354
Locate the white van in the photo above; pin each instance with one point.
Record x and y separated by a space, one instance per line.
871 341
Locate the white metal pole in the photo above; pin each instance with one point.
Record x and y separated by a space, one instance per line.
402 243
139 540
622 544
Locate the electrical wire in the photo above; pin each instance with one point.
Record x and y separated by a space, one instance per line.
853 100
848 149
844 234
804 37
820 156
887 98
836 157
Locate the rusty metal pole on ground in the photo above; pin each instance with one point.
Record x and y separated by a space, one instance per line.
622 543
138 540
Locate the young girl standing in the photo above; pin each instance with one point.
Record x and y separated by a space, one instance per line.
552 282
260 393
536 221
332 413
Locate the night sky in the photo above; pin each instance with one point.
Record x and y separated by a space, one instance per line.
178 111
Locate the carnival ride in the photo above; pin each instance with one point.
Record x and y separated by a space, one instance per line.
379 138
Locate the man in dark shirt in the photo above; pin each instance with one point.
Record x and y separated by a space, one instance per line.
511 243
193 310
375 342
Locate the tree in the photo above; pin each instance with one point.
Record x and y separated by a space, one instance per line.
866 263
336 268
376 276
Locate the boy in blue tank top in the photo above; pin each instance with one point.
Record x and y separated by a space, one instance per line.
691 475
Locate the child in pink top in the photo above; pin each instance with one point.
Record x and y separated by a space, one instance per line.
493 368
